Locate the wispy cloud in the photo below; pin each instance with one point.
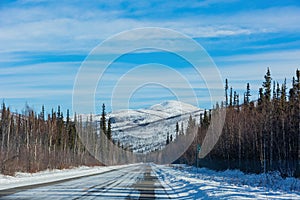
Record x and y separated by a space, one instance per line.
238 34
59 26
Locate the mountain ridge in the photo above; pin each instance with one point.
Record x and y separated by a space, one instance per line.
145 130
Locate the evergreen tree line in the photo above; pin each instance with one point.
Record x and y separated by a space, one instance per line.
258 136
32 142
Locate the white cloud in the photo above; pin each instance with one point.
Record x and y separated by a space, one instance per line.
46 68
282 55
43 28
38 80
251 68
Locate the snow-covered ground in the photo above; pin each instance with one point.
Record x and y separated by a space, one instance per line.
184 182
47 176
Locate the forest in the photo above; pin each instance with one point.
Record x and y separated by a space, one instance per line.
258 135
32 142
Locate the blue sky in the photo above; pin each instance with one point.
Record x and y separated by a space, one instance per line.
43 43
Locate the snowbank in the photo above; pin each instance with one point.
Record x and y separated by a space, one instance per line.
47 176
202 183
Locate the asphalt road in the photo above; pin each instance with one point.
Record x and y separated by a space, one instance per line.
133 182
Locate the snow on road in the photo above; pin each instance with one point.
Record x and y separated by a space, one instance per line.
126 182
25 179
142 181
182 182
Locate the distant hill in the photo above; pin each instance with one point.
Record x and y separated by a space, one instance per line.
145 130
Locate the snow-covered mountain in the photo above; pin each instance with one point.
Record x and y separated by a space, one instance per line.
145 130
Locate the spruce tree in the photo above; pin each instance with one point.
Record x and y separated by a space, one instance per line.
177 130
103 119
230 97
234 98
267 86
278 92
247 95
260 97
42 115
168 139
58 112
68 116
283 94
226 92
205 121
109 129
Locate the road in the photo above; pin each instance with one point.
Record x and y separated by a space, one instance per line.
150 181
133 182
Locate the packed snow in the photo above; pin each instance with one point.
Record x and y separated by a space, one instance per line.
183 182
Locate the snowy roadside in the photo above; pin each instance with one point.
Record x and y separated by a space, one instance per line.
48 176
186 182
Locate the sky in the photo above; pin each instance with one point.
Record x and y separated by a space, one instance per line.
44 43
